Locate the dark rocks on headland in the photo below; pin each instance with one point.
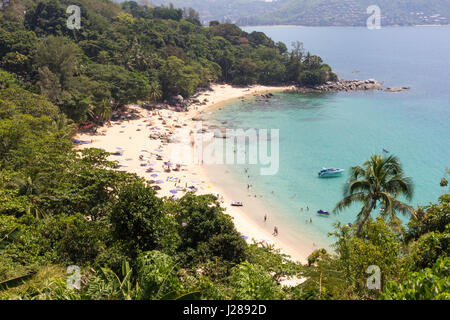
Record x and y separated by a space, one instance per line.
348 85
342 85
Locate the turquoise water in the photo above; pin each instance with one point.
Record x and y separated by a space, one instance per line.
344 129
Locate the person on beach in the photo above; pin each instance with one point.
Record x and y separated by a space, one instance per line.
275 231
265 217
307 208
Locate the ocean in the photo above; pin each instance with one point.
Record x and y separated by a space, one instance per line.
345 129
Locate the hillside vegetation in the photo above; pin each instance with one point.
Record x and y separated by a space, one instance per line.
129 53
61 207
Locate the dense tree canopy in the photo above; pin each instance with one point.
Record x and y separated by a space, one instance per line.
60 206
129 53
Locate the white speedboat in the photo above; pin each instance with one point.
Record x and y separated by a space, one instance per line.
330 172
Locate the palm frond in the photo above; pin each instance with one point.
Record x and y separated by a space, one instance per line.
400 185
402 207
356 172
359 186
349 200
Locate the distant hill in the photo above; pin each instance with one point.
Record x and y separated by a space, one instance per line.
317 12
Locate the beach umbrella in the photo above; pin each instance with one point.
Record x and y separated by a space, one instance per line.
159 181
154 175
151 163
119 148
174 198
244 237
169 164
173 191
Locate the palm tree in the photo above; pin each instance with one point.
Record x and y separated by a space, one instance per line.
63 126
155 91
379 180
32 188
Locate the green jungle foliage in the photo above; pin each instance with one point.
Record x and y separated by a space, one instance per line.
62 207
128 53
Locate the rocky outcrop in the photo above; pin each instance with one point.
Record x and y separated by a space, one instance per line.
400 89
343 85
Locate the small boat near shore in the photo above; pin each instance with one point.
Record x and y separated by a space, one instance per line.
330 172
237 204
322 212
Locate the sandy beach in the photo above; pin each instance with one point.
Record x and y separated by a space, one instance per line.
158 146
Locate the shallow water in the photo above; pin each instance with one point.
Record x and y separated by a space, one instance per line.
344 129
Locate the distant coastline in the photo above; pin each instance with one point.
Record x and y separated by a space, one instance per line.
362 26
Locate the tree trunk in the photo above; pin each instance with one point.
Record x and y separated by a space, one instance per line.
358 232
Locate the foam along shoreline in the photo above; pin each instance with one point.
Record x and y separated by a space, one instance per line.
159 162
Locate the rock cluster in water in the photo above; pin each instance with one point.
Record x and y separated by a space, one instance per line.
349 85
343 85
400 89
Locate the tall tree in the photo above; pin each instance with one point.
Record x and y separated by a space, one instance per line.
58 62
379 180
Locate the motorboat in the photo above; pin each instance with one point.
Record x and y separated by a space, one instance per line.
323 212
237 204
330 172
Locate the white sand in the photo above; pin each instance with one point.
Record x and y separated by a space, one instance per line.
133 138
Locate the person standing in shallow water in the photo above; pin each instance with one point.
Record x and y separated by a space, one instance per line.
275 231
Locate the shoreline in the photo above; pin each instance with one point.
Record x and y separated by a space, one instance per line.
137 157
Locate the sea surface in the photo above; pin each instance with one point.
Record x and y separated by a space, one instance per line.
344 129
